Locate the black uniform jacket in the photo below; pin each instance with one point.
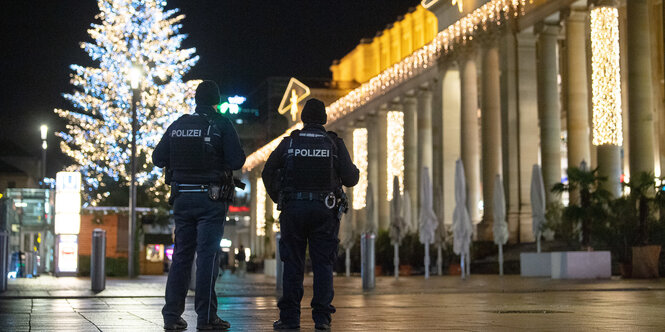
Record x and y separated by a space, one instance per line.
347 171
230 149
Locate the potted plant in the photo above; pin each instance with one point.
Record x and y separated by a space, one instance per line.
591 208
645 254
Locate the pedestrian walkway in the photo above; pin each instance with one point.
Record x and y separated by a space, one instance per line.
483 303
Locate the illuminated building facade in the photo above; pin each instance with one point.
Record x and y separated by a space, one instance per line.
501 85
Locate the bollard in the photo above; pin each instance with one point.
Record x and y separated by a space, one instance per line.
279 265
367 260
4 260
98 260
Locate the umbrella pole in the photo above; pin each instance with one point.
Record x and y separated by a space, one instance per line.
439 260
347 262
396 260
468 265
538 242
462 266
426 260
500 259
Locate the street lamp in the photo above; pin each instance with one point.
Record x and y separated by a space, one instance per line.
44 131
135 82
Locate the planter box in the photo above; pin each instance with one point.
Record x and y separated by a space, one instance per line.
581 265
533 264
645 261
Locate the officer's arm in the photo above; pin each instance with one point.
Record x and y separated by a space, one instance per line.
234 156
275 161
160 156
347 171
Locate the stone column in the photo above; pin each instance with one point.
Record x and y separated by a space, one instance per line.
383 203
491 133
424 132
450 138
577 90
470 146
640 113
373 166
411 153
549 110
520 130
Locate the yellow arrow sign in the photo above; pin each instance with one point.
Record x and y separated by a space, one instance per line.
295 92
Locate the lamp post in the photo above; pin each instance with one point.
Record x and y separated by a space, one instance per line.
135 80
44 131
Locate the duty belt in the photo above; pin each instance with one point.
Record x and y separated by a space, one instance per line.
192 188
328 198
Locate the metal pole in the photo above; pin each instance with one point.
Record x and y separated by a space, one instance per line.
132 188
427 260
368 260
4 259
43 165
98 260
396 260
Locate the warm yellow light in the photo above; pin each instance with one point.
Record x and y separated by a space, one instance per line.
135 77
395 151
275 212
44 131
455 35
606 77
260 208
460 5
360 160
294 105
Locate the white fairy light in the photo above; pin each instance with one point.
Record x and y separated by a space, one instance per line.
260 208
606 76
395 151
360 160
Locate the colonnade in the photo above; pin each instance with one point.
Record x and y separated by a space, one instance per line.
502 103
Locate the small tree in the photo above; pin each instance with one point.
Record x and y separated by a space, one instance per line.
592 206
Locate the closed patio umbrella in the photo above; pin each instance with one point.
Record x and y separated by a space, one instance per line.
428 220
537 203
462 227
500 227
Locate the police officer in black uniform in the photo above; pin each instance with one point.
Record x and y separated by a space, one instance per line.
201 150
305 175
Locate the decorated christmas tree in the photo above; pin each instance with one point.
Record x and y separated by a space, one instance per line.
130 37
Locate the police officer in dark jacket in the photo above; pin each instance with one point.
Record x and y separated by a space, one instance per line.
305 175
200 150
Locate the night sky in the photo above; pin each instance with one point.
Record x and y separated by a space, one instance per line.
240 43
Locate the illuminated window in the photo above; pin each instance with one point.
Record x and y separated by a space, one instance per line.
360 160
154 253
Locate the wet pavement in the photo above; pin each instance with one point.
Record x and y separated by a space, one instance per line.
483 303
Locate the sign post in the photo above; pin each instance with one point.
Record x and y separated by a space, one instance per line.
67 222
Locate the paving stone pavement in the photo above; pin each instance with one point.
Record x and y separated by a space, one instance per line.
483 303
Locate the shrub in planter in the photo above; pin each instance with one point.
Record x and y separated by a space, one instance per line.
384 251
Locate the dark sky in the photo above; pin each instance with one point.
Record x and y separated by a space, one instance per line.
240 43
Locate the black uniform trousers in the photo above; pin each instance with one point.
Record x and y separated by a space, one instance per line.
304 222
199 227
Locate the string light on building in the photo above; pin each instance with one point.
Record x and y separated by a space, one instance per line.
606 76
260 208
395 151
360 160
457 34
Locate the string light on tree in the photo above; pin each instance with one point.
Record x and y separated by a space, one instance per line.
606 76
130 38
492 13
360 160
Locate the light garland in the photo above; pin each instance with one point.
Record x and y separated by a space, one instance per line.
455 35
260 208
360 160
606 76
395 151
130 34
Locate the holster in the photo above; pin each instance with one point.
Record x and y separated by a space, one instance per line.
173 193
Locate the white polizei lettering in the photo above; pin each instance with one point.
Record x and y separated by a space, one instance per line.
317 153
186 133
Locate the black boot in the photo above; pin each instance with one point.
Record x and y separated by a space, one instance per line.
322 327
180 324
216 324
279 325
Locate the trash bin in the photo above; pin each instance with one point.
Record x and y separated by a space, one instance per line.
368 261
4 260
279 265
98 260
